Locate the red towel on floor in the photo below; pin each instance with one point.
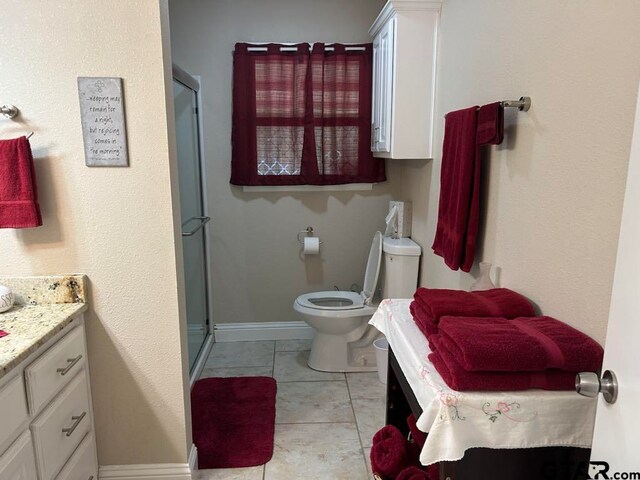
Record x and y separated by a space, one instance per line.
18 191
459 182
461 380
3 333
522 344
414 473
389 455
435 303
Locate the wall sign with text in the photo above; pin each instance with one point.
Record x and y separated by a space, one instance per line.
103 126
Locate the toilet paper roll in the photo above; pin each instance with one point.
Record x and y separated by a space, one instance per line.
311 246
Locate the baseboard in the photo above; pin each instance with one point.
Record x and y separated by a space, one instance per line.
247 332
157 471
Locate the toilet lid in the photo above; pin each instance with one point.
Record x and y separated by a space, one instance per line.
373 269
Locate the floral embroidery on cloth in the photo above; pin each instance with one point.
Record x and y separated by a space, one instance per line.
505 410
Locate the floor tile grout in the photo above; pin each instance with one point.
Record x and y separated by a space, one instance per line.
286 364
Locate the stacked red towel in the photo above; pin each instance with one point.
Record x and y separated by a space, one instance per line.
3 333
431 304
501 354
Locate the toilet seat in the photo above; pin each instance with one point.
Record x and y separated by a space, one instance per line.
331 300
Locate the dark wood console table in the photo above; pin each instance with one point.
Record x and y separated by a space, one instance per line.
546 463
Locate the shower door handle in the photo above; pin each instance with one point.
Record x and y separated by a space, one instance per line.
203 222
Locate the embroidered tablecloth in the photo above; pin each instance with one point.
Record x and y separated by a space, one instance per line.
457 421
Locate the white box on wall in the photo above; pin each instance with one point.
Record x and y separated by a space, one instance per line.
404 218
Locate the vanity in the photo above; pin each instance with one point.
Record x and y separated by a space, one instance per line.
45 397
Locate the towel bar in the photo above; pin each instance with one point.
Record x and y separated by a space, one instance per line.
523 104
9 111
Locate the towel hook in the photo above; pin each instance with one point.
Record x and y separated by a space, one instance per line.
9 111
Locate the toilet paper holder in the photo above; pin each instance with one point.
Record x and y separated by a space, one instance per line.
308 231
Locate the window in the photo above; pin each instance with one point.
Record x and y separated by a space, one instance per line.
302 115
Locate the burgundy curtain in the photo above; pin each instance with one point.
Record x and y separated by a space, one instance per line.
302 117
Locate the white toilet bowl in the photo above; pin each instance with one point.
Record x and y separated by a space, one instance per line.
343 340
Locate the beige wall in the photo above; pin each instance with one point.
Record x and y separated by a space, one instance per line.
555 186
114 224
257 271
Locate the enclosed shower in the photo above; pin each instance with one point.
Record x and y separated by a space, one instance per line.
194 220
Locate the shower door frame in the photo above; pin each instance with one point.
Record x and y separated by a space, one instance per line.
193 82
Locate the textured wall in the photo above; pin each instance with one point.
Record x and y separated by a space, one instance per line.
257 272
113 224
554 188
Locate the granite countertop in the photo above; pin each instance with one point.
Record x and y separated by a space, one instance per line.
44 306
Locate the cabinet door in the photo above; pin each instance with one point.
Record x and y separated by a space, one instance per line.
386 85
18 463
375 100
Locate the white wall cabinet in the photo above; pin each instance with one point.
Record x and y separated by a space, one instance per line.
47 434
404 66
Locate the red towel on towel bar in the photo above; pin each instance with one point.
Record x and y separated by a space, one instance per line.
522 344
497 302
459 180
459 208
18 191
461 380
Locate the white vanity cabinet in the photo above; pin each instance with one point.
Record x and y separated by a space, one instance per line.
46 415
404 65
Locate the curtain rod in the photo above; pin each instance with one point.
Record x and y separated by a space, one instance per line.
260 48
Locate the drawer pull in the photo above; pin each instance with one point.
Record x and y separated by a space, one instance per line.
77 419
72 362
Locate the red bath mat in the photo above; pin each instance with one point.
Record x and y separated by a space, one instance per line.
233 421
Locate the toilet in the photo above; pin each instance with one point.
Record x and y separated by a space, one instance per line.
343 339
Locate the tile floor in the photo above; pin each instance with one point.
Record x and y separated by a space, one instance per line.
324 421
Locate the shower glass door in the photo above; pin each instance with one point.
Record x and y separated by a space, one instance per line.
193 217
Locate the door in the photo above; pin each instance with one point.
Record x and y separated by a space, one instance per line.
192 212
617 430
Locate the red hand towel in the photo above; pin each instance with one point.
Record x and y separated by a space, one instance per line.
414 473
3 333
459 182
18 191
389 457
490 124
461 380
522 344
497 302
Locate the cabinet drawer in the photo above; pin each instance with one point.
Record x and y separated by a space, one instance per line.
13 411
18 462
54 369
83 464
61 427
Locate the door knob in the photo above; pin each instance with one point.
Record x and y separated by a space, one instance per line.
589 384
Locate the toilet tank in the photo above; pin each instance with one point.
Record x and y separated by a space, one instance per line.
400 267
